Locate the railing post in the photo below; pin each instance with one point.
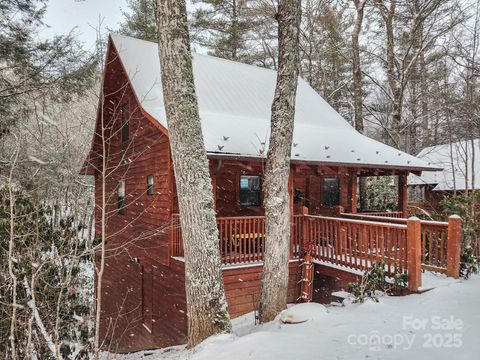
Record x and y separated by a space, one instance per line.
414 253
454 240
306 288
304 239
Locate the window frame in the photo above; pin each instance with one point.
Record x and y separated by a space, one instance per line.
324 197
246 205
121 205
150 188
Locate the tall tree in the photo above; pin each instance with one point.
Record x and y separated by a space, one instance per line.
221 26
358 86
325 51
139 20
273 296
410 28
29 67
206 302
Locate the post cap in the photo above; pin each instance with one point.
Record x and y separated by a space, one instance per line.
455 216
413 218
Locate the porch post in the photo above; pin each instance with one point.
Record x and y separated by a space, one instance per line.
402 194
453 245
344 189
353 192
414 253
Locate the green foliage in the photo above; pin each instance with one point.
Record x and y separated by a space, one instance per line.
375 280
140 20
468 263
467 206
381 194
29 66
45 255
222 27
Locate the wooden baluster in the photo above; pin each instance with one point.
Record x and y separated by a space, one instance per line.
364 247
371 238
243 250
231 242
323 244
442 248
263 243
388 249
423 243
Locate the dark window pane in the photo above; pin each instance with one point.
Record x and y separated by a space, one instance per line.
250 190
331 191
150 188
125 122
121 197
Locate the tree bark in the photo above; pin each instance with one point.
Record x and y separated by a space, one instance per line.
273 296
358 88
206 303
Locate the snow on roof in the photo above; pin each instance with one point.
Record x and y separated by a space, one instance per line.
235 101
456 161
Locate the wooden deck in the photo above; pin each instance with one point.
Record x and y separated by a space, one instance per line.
351 241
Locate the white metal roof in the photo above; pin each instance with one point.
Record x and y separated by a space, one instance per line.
456 161
235 101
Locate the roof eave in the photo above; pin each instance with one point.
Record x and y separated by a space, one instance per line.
234 156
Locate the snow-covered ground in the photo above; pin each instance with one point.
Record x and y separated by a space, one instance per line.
443 323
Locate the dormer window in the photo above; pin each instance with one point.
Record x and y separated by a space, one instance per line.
121 197
125 122
150 185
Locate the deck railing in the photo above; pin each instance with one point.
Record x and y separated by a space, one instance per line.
393 214
356 241
357 244
176 241
434 239
240 238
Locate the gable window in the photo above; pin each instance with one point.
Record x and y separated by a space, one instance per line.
121 197
150 187
331 191
250 190
125 121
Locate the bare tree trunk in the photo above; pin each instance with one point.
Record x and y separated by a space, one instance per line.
100 255
273 297
11 245
358 89
206 303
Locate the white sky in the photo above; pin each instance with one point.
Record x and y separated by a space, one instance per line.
64 15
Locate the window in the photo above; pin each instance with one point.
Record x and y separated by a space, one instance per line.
250 192
125 122
331 191
150 188
121 197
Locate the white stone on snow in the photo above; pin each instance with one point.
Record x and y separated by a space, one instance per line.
302 312
235 101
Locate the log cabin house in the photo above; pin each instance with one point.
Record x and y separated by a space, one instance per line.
460 164
143 286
